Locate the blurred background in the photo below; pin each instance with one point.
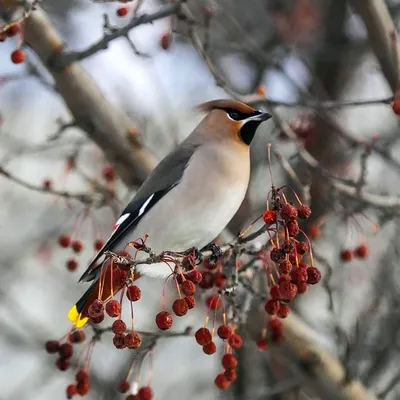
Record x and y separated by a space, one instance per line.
328 77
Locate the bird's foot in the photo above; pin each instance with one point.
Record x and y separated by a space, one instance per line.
216 252
196 253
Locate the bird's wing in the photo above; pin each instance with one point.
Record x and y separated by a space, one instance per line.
164 177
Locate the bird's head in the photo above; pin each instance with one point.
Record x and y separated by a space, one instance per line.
232 119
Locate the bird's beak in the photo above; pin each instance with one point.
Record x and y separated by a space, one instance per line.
260 117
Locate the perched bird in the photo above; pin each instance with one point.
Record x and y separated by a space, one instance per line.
187 200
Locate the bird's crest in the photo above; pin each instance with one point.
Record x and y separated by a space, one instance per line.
225 104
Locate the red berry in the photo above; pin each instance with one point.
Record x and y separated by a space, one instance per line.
120 276
288 290
113 308
262 344
71 391
122 11
301 287
271 306
235 341
213 302
72 264
64 241
362 251
145 393
269 217
132 340
304 211
47 184
314 275
284 278
230 375
346 255
12 30
97 320
118 326
285 266
221 382
210 348
66 350
188 288
82 376
220 279
277 255
77 246
98 244
165 41
133 293
96 309
119 341
190 301
288 212
17 57
303 265
302 248
293 228
77 336
203 336
82 388
275 293
108 170
224 332
275 325
229 361
63 363
164 320
180 307
283 311
194 276
287 246
207 281
396 106
124 386
52 346
299 275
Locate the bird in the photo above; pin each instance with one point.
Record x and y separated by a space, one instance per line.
186 201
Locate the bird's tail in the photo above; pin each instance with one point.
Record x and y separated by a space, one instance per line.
101 289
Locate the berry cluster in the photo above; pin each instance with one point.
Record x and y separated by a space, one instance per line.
361 251
17 56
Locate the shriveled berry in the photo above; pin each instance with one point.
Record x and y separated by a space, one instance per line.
190 301
271 306
133 293
346 255
18 57
122 11
361 251
231 375
203 336
224 332
82 376
124 386
220 279
207 281
120 276
52 346
284 278
118 326
133 340
283 311
302 248
71 391
64 241
301 287
277 255
303 265
213 302
262 344
72 265
194 276
314 275
180 307
285 266
98 244
113 308
229 361
235 341
293 228
275 293
287 246
269 217
221 382
119 341
164 320
77 336
293 258
288 212
210 348
77 246
188 288
304 211
288 290
63 363
96 308
299 275
82 388
98 319
66 350
145 393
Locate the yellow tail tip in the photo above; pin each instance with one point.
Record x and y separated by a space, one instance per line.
75 317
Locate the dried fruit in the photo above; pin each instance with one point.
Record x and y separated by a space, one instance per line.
221 382
118 326
180 307
77 336
224 332
164 320
271 306
283 311
188 288
229 361
269 217
190 301
66 350
235 341
288 290
113 308
119 341
304 211
132 340
285 266
133 293
210 348
52 346
288 212
203 336
230 374
96 309
275 293
277 255
314 275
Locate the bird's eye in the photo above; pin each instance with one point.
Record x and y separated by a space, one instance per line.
235 115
